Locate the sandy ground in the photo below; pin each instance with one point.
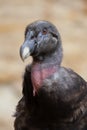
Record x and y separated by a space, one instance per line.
70 18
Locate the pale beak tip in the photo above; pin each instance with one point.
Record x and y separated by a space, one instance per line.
24 52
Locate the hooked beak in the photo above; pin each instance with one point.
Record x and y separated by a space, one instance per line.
27 49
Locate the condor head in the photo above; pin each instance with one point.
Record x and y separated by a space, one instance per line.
41 38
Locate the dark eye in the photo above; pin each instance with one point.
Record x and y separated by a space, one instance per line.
32 37
44 32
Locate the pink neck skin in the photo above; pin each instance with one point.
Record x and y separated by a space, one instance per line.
39 74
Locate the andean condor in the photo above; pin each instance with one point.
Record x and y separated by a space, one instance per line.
54 97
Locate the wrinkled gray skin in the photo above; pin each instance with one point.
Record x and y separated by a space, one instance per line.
61 101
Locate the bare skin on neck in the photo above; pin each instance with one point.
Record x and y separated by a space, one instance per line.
40 73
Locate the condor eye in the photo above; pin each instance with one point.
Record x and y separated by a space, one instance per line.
32 37
44 32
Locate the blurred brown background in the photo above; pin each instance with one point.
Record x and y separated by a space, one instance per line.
70 17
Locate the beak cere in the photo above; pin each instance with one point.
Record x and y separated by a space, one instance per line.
24 52
27 48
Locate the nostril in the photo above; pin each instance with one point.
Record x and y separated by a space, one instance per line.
35 42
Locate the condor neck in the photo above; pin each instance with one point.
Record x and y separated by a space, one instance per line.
54 58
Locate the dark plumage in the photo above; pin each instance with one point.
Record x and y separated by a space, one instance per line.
54 97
